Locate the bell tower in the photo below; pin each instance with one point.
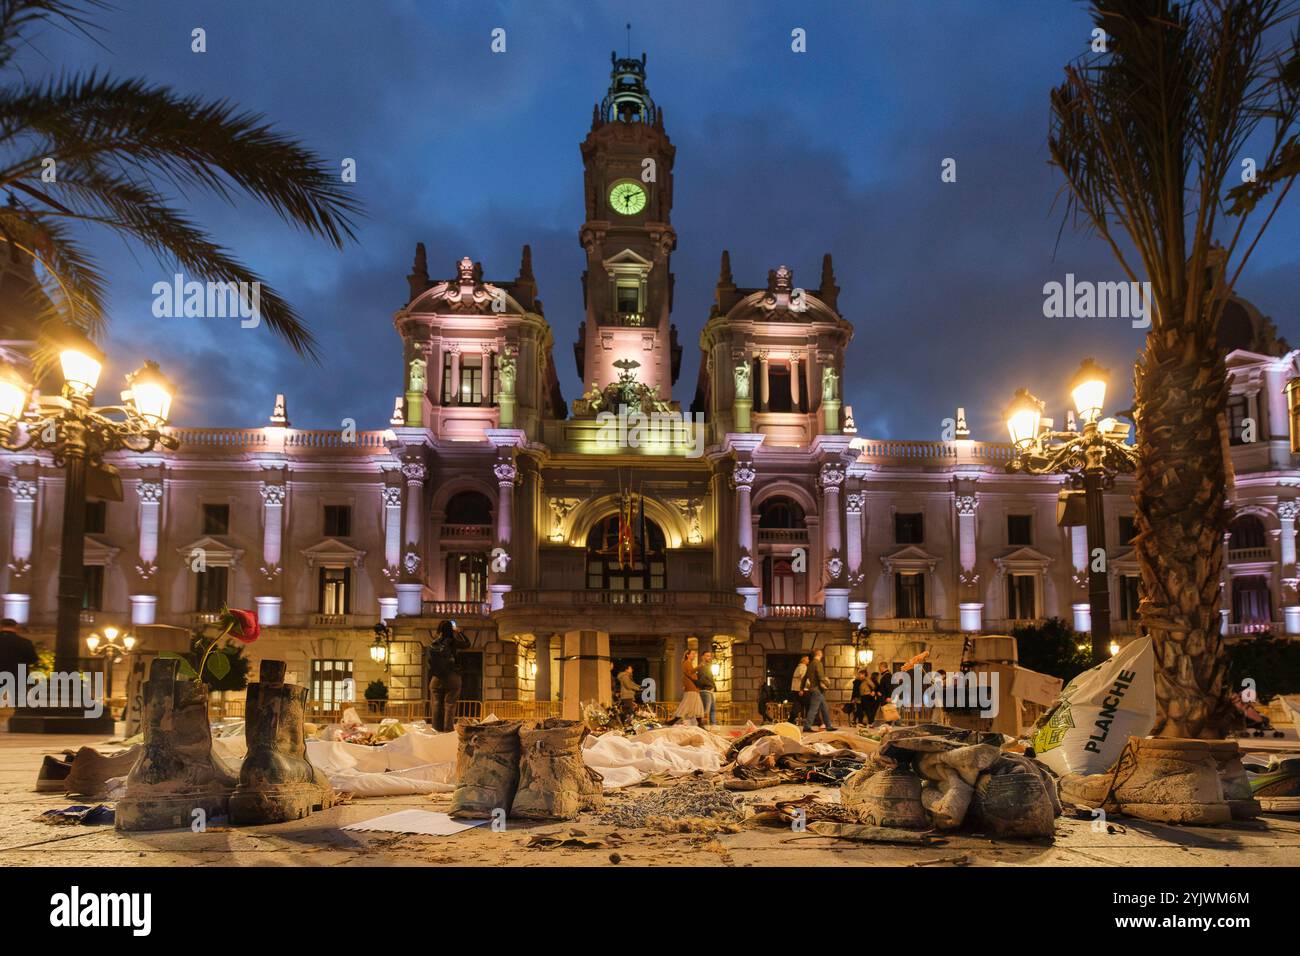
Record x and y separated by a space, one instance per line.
628 237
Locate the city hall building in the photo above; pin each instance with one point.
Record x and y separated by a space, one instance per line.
637 520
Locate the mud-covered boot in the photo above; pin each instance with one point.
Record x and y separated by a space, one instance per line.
277 782
177 774
1235 782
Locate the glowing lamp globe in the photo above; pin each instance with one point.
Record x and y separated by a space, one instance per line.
81 362
14 391
150 394
1088 389
1023 416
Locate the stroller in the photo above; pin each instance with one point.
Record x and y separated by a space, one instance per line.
1257 723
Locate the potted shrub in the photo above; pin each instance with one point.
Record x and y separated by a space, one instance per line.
377 695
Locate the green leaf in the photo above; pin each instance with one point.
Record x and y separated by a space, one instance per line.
186 668
218 664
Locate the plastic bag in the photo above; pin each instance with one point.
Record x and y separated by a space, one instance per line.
1098 711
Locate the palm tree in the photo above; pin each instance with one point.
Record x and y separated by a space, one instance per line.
92 149
1150 136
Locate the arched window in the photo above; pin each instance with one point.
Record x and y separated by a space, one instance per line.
780 512
1252 603
1246 531
644 569
469 507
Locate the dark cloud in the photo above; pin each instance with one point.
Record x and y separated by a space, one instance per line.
781 157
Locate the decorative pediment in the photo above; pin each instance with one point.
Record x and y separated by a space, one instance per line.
1125 562
333 553
909 558
215 553
627 261
1023 561
98 552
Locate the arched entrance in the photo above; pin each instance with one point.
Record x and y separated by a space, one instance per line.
639 565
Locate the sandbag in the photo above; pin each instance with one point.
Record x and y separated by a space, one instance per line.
554 783
1098 711
885 797
487 768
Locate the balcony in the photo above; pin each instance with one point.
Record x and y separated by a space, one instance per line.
626 320
782 535
622 612
1255 629
1250 555
454 609
330 620
792 612
463 532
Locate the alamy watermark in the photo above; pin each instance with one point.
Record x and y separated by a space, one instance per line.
654 430
965 690
208 300
1098 300
64 689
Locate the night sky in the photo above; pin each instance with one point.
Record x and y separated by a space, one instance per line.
781 157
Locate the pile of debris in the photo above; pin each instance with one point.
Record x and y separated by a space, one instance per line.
770 756
695 803
930 775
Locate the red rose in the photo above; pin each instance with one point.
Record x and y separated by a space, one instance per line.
242 625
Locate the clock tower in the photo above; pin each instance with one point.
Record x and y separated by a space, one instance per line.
628 238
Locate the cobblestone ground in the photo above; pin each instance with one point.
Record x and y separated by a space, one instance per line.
319 841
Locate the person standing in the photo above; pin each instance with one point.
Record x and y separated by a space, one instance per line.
708 690
627 692
444 680
796 688
691 709
815 686
857 705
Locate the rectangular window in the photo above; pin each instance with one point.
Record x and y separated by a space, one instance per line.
335 590
93 596
469 576
332 682
1127 529
471 379
1020 597
1130 595
1238 411
629 297
909 528
778 388
210 589
216 519
1020 529
909 594
96 517
338 521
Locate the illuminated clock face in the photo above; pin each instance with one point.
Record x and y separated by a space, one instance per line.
627 198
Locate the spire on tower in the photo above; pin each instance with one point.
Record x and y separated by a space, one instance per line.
829 291
724 274
628 99
418 280
526 264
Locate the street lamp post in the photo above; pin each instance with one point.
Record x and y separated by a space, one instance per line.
1092 458
111 651
78 435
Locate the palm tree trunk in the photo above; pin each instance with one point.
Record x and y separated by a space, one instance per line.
1181 495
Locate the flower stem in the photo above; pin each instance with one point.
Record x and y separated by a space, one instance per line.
203 662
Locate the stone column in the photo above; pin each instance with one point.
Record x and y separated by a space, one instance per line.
762 381
742 480
543 655
836 594
454 349
392 502
411 587
268 598
18 600
970 612
507 474
794 382
586 671
853 503
1286 513
144 602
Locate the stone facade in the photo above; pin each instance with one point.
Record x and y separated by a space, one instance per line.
761 522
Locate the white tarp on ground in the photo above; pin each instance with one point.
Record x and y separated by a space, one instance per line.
675 751
420 761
